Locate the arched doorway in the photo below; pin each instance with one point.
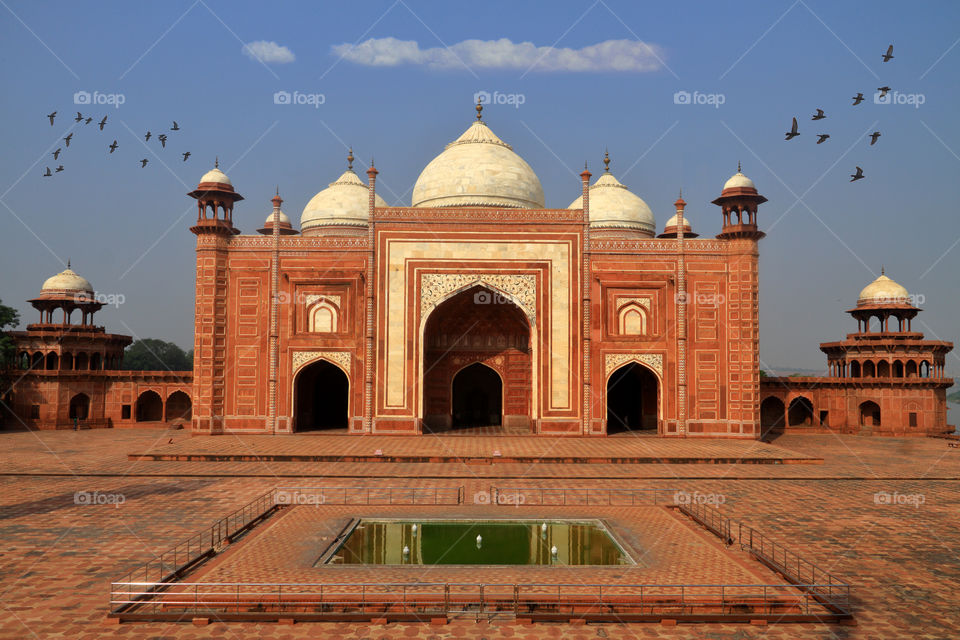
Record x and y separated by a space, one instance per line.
632 397
869 414
80 407
477 327
179 407
149 407
322 397
801 412
476 397
772 413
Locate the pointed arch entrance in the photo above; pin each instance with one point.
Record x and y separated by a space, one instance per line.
321 397
633 400
477 363
80 407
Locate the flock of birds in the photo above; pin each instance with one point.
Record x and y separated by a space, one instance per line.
162 138
857 99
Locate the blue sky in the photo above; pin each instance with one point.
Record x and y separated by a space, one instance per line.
126 228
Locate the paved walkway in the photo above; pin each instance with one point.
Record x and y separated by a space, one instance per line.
880 512
489 449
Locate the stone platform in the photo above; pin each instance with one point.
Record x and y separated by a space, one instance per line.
471 450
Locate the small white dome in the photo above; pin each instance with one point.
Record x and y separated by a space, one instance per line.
280 214
481 170
67 280
613 206
672 222
344 203
883 290
215 175
739 181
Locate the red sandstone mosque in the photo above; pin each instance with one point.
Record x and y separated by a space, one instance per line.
476 306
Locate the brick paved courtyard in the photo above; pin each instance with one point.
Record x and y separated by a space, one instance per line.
899 551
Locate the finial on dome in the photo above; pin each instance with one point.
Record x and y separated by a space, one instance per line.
882 271
606 160
350 160
216 162
479 109
68 263
739 170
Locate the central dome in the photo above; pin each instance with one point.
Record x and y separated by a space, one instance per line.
478 169
67 281
883 290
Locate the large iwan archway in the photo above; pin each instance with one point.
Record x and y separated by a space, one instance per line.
474 342
633 395
321 397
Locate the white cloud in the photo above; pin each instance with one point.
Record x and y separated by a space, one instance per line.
265 51
609 55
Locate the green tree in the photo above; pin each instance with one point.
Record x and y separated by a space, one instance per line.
9 317
151 354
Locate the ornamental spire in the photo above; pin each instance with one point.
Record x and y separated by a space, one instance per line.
350 160
606 161
479 109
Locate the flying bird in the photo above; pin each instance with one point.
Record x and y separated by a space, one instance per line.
857 99
822 137
59 169
102 122
819 115
79 117
163 140
873 137
883 91
857 176
147 137
793 133
113 147
52 116
175 126
143 163
186 154
56 154
47 173
68 138
889 54
88 121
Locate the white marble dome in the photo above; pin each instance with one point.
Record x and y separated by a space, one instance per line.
344 203
613 206
672 223
215 175
67 280
481 170
284 219
883 290
739 181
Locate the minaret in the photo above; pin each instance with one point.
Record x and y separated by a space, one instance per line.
274 311
681 322
214 195
586 281
739 200
370 290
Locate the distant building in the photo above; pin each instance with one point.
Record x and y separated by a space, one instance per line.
885 379
68 375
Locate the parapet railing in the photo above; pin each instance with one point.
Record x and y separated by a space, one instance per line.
424 600
567 497
170 565
829 590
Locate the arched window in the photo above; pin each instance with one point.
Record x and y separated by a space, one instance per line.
911 368
66 362
869 414
95 362
324 317
855 369
632 320
80 363
883 369
53 361
869 369
897 368
924 369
